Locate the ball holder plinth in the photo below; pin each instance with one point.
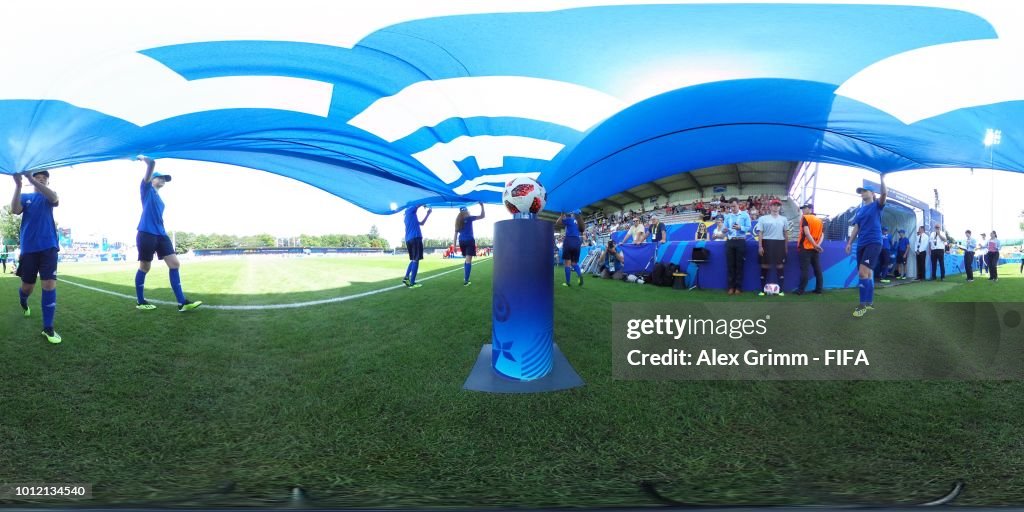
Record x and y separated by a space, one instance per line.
522 356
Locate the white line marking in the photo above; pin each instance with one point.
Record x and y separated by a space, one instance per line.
275 306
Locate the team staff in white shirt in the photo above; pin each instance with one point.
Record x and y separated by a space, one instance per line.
937 242
921 252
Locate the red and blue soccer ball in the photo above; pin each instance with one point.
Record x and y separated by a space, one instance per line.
524 195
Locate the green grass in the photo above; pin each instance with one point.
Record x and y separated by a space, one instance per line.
361 402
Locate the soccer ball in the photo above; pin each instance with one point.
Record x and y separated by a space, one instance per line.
524 195
771 289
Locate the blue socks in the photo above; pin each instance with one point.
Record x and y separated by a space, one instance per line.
176 285
466 268
871 290
414 268
568 274
408 269
140 286
49 307
865 288
23 298
576 268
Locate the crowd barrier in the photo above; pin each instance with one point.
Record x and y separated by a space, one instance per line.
838 268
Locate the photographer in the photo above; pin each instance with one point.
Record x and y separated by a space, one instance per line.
612 262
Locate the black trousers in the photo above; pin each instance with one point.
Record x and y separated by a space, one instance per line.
883 265
808 260
735 254
938 262
993 264
920 265
969 264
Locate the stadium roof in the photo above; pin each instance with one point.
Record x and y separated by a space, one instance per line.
392 103
703 181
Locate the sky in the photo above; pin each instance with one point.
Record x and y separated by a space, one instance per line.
102 199
965 197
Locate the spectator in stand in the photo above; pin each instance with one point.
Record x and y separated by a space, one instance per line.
636 234
659 232
809 248
937 242
994 245
902 254
718 230
702 232
754 216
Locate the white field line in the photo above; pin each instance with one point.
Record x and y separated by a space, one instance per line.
275 306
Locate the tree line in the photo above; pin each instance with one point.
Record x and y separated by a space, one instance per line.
443 243
10 228
188 241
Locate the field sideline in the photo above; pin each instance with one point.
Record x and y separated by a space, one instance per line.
361 403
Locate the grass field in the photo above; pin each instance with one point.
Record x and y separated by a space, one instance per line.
361 402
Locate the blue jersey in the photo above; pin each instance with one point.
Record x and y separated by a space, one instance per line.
466 233
152 220
901 246
886 243
869 218
412 224
571 228
38 231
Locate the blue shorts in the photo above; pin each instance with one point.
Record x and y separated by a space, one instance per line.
867 255
41 263
415 248
148 243
468 247
571 249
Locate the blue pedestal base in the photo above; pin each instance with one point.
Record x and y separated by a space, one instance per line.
484 378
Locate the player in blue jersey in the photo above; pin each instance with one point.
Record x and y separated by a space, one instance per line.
464 238
571 245
884 258
867 231
39 246
414 244
152 238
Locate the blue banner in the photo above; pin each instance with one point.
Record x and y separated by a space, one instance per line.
839 269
